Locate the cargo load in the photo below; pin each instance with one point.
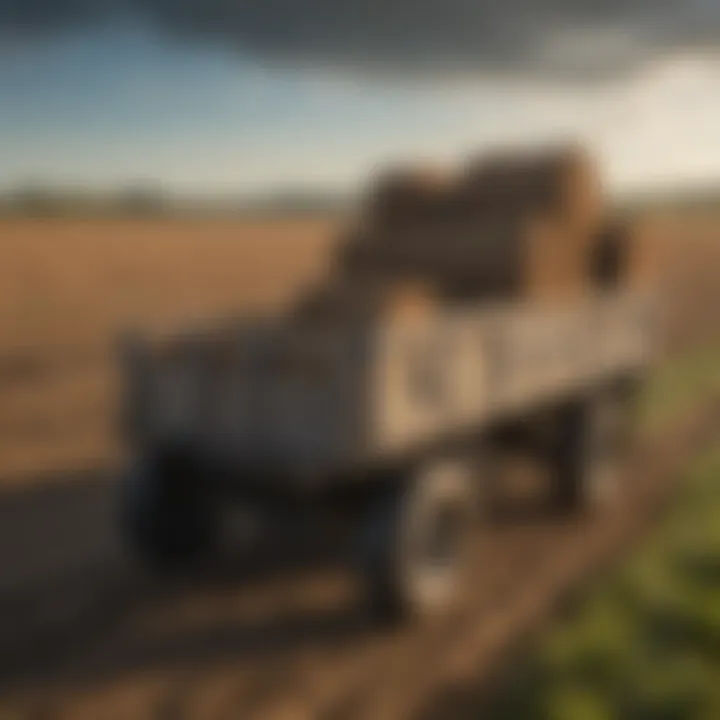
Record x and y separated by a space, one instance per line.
527 224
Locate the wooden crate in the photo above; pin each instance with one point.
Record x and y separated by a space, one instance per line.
510 257
559 182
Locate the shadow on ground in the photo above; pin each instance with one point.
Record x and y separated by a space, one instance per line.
68 587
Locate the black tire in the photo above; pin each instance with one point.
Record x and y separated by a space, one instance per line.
413 542
166 515
595 437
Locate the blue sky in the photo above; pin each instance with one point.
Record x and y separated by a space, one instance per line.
110 107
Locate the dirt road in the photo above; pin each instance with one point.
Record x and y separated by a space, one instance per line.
269 632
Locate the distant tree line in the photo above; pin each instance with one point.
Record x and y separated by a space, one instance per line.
37 200
686 199
147 200
150 201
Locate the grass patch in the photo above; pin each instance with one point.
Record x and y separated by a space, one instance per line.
645 643
678 386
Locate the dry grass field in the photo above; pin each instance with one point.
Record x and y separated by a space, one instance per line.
68 287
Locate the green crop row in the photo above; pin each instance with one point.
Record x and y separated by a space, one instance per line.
645 643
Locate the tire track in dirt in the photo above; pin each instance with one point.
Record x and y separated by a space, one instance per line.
272 638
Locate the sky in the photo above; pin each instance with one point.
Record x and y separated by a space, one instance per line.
103 107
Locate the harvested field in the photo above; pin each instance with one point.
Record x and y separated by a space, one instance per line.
68 287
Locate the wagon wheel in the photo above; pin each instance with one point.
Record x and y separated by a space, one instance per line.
414 541
166 515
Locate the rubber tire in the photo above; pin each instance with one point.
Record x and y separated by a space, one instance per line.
166 517
398 580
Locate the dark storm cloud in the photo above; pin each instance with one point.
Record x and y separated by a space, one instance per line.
23 17
408 35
